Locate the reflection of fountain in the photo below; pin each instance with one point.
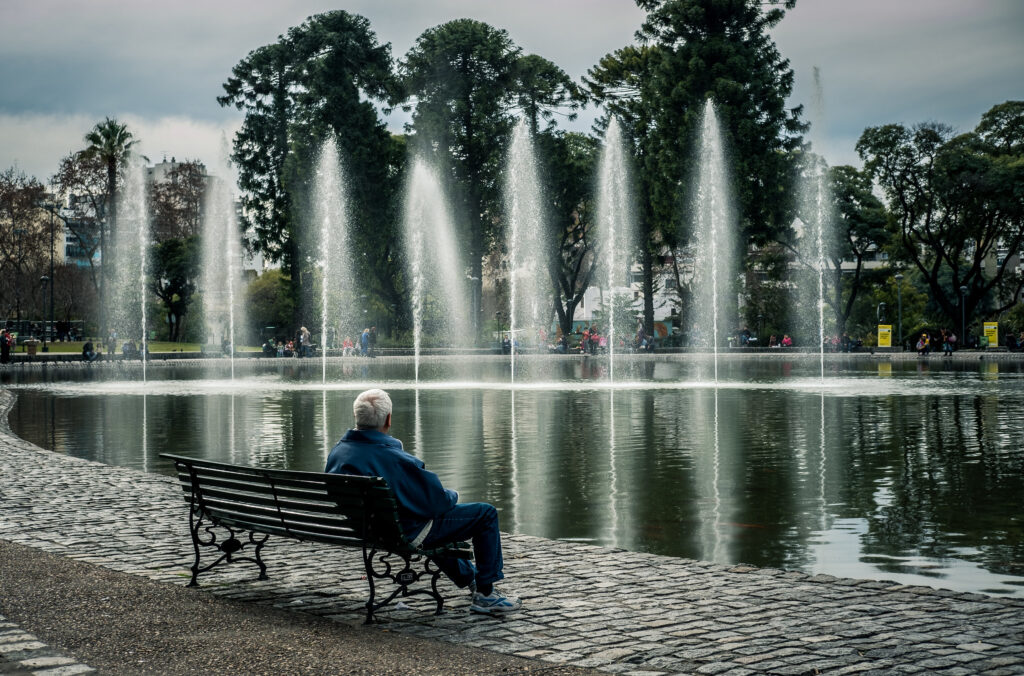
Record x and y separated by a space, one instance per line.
323 424
514 460
417 427
616 223
524 239
714 265
435 268
330 213
222 261
127 295
613 475
716 554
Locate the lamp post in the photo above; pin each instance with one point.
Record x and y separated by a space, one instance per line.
19 233
963 316
760 322
51 207
899 306
474 322
45 281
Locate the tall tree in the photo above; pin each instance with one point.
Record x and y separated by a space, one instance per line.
459 82
111 143
859 222
623 82
174 278
23 237
694 50
955 199
176 203
543 90
321 78
570 161
82 180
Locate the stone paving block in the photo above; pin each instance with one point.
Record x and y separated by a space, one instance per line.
69 670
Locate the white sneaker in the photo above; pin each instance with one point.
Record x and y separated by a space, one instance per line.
495 603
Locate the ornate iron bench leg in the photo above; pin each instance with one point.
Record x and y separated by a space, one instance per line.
435 573
227 548
368 564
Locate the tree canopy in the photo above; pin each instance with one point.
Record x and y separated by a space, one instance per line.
955 200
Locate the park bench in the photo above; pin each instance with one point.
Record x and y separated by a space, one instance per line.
335 509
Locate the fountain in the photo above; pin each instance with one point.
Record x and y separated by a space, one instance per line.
816 214
127 307
524 240
715 268
330 212
438 285
221 269
616 222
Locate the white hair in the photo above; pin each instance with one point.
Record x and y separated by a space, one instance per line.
371 409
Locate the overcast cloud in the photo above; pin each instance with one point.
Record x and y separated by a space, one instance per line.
65 64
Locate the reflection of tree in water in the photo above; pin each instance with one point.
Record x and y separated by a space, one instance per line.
767 457
936 468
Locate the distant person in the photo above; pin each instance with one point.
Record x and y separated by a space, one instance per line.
786 340
347 347
923 345
89 353
948 341
6 340
364 343
373 341
429 513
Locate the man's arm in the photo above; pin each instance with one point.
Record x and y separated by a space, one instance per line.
420 491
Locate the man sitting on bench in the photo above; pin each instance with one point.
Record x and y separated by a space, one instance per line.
427 511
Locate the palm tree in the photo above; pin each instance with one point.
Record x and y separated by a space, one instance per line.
111 142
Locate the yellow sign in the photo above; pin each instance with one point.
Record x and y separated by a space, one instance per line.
992 333
885 335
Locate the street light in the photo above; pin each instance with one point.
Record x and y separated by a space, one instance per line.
45 281
51 207
475 318
963 316
19 233
899 305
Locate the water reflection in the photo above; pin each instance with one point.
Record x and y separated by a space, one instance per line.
906 473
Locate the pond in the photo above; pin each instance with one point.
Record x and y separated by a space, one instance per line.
910 471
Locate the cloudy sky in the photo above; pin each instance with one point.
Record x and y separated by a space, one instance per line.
157 65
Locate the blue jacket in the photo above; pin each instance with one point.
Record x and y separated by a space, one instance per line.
421 497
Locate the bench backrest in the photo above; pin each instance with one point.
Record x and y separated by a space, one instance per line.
334 508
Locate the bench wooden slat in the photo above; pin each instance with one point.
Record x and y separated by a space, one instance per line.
283 477
325 494
303 531
352 520
257 520
325 504
348 541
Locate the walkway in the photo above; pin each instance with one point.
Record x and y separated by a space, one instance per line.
620 612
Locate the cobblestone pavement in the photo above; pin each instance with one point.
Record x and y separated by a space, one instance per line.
618 611
23 653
